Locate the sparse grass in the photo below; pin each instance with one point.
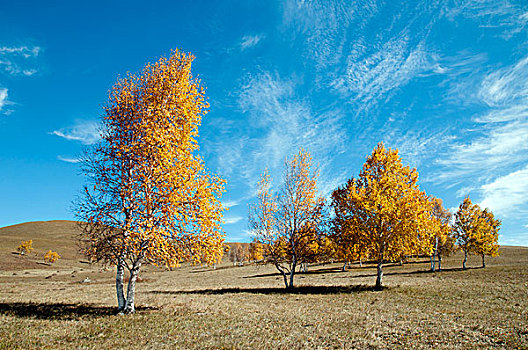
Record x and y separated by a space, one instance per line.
248 308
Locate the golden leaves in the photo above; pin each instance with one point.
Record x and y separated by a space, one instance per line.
382 214
288 224
51 257
25 247
476 230
153 199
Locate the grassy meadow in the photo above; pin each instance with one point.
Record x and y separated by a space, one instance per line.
72 303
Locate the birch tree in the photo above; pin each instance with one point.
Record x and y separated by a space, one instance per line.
464 227
486 242
476 231
384 210
149 198
440 233
290 224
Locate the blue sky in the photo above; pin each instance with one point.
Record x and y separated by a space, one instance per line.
445 82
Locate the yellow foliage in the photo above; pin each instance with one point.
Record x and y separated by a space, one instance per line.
151 198
441 235
256 251
383 214
51 257
476 230
25 247
289 224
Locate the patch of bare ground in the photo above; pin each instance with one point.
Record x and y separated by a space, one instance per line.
73 304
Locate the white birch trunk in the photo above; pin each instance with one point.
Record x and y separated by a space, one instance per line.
292 273
130 307
119 285
435 252
379 278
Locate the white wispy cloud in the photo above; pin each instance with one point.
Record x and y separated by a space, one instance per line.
417 146
230 203
249 41
515 239
277 123
15 60
24 51
3 97
86 132
324 25
507 16
285 122
372 78
500 139
68 159
506 194
506 85
232 219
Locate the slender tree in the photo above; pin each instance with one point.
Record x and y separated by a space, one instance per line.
446 247
486 242
464 227
384 210
476 231
440 232
290 224
150 198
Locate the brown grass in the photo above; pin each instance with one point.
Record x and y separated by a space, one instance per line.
248 308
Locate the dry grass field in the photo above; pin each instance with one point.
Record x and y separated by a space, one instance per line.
247 307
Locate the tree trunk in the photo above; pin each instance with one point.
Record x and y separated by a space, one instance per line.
465 260
435 252
292 273
283 273
131 290
360 263
303 267
119 285
439 262
285 277
379 278
483 262
431 258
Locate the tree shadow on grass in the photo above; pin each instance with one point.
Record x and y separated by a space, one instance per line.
338 270
404 273
59 311
309 272
317 290
350 273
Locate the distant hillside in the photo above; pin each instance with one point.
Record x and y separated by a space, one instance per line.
61 236
57 235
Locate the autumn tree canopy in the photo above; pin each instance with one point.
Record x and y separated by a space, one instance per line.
476 231
383 214
290 224
150 198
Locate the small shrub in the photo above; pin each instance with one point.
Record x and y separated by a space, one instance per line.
51 257
25 247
